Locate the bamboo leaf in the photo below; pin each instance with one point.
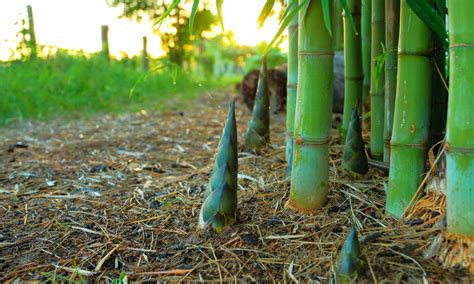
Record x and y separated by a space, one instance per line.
379 66
286 21
345 6
327 15
431 18
288 9
220 16
267 8
193 16
440 6
167 12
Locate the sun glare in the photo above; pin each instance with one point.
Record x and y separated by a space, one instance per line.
241 18
74 24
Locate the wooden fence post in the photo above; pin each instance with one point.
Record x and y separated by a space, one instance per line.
145 55
31 32
105 41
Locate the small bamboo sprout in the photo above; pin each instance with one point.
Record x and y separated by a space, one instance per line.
350 263
258 131
354 158
220 199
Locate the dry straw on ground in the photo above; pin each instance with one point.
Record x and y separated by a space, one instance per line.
120 197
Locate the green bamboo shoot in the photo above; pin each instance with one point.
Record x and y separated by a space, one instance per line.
313 118
392 14
292 85
350 262
377 90
353 64
412 108
354 158
220 199
258 131
460 121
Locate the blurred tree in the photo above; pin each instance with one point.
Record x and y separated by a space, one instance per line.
176 38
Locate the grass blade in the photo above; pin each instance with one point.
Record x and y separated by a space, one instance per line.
345 6
193 16
167 12
219 4
286 21
327 15
267 8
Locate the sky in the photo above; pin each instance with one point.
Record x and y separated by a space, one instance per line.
75 24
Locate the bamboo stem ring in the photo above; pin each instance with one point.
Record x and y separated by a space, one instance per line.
292 86
316 53
408 53
308 142
354 78
414 145
455 45
458 150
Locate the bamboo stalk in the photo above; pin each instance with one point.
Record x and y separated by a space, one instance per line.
460 121
392 14
338 26
292 85
310 172
377 91
412 108
353 65
366 38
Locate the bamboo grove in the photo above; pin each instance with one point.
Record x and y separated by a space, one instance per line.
399 63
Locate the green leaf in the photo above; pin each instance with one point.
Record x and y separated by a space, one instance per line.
327 15
286 21
193 16
288 9
346 9
219 4
167 12
379 66
441 7
425 11
267 8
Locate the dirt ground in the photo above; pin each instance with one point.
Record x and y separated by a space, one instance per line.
118 198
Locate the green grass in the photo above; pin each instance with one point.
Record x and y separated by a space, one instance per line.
72 86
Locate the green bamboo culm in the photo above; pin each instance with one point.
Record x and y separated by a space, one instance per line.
377 90
412 108
353 72
292 85
350 262
354 158
366 38
439 105
258 132
392 15
220 199
460 121
338 26
313 118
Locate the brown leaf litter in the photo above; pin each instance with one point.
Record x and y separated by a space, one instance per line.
120 196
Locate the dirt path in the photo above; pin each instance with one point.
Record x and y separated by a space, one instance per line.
121 196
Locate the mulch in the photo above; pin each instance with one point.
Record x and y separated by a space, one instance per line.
118 197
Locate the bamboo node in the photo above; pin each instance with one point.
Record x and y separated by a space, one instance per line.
461 150
305 211
308 142
413 145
